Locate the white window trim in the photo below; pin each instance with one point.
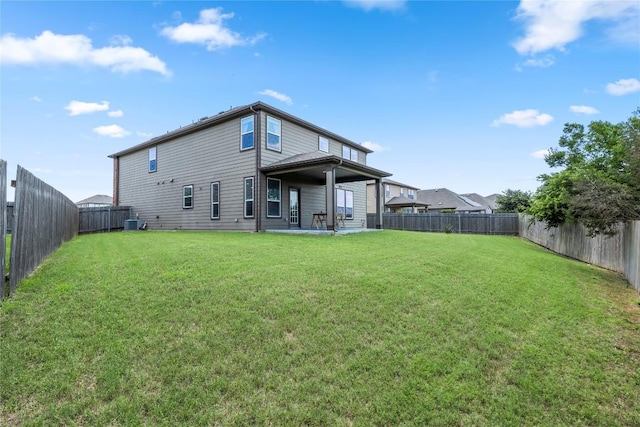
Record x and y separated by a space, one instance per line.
242 134
321 140
154 159
246 199
342 195
217 184
185 197
279 201
349 153
279 149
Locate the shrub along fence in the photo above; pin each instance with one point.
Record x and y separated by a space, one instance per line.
620 252
43 219
506 223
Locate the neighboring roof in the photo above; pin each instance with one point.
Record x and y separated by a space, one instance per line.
399 184
400 202
493 199
312 166
442 198
206 122
98 199
483 201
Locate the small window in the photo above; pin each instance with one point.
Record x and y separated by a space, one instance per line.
215 200
246 133
248 197
323 144
411 193
273 198
274 127
354 155
153 164
401 191
387 190
187 197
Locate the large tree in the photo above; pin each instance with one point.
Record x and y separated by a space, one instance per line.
600 181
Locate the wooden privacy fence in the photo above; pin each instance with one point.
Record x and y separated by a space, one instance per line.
103 219
620 252
43 219
507 223
3 223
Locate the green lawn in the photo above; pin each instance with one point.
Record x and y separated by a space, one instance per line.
389 328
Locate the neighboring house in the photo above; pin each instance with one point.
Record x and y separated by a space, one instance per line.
98 200
398 197
493 201
250 168
480 200
442 199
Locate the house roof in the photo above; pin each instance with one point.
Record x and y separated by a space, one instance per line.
483 201
443 198
234 113
98 199
400 202
399 184
492 198
311 167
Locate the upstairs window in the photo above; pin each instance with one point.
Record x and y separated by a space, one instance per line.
411 193
401 191
246 133
387 190
273 198
274 129
153 164
323 144
187 197
349 153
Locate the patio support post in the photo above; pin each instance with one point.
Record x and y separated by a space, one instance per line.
379 204
330 185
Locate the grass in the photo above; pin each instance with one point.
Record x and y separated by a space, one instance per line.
390 328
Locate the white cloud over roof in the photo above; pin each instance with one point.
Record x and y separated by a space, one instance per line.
552 24
524 119
277 95
76 49
112 131
210 31
78 107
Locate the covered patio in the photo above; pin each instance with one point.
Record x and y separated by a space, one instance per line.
326 170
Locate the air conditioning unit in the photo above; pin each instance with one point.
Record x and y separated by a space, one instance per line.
132 225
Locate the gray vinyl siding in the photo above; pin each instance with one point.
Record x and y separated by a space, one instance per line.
196 159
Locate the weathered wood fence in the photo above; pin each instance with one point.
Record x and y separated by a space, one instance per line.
44 218
103 219
620 252
3 224
507 223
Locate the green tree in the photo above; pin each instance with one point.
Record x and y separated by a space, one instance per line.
517 201
600 181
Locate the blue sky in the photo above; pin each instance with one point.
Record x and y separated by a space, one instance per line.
462 95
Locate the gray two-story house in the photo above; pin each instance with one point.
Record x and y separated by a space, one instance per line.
251 168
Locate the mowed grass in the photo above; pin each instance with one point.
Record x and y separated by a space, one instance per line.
388 328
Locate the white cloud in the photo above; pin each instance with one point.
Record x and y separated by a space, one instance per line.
623 87
524 119
279 96
78 107
35 99
116 113
120 40
552 24
210 31
373 146
540 154
583 109
76 49
369 5
112 131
